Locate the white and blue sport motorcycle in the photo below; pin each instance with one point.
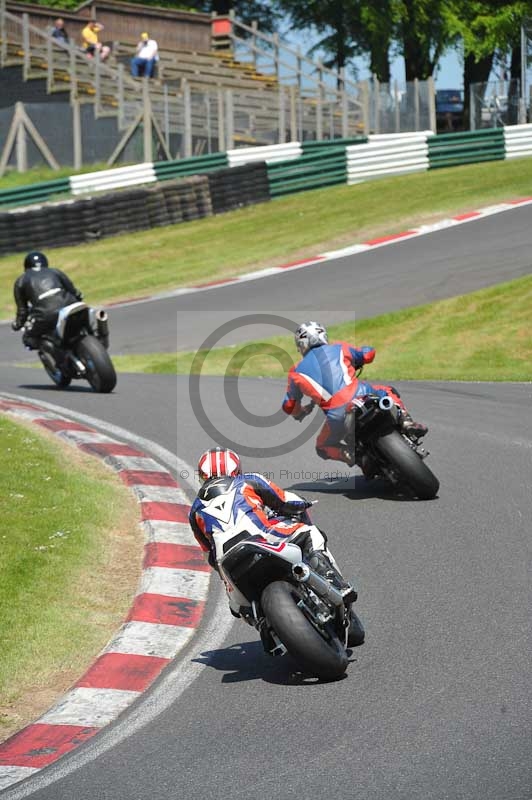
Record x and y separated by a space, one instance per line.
288 590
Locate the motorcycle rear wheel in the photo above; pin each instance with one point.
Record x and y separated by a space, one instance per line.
412 471
324 658
100 370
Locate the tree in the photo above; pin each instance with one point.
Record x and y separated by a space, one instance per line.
487 29
375 32
346 29
331 20
421 34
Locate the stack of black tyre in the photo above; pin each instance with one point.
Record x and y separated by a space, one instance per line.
86 219
236 187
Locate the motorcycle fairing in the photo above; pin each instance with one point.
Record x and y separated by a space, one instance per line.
65 313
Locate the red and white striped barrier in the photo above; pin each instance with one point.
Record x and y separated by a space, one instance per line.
166 610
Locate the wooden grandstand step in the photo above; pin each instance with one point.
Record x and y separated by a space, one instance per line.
202 68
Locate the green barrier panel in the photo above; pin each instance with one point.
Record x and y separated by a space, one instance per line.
482 147
304 164
465 136
460 161
470 147
308 184
35 192
320 166
164 170
310 179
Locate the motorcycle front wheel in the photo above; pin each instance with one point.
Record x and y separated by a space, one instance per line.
410 469
100 370
57 376
325 658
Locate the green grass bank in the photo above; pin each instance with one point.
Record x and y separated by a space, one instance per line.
68 569
302 225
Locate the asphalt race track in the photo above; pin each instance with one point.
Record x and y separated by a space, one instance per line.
443 264
437 703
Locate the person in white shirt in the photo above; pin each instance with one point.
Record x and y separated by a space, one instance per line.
146 56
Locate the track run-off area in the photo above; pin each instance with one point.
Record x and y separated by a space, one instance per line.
437 703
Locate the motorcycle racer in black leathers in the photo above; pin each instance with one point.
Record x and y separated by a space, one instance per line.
40 292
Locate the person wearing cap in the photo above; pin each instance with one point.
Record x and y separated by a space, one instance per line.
146 56
91 42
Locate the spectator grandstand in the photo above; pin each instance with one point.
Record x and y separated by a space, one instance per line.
219 83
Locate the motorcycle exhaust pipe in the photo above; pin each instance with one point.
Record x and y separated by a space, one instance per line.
303 574
102 327
386 403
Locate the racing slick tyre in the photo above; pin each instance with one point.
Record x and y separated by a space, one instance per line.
411 471
355 633
324 658
100 370
57 376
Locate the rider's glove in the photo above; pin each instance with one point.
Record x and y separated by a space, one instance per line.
303 505
79 296
16 325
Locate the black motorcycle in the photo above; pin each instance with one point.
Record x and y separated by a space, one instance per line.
383 449
77 349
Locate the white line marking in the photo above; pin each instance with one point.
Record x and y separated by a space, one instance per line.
150 639
174 582
10 775
93 708
133 463
86 437
159 494
169 532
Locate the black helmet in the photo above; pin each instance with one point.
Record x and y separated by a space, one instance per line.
35 259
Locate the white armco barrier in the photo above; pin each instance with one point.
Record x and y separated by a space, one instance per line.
269 153
383 155
399 137
112 178
517 140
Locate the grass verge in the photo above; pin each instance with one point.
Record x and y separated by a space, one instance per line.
70 559
274 233
482 336
41 174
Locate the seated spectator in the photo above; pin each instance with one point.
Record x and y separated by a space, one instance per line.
143 63
59 32
91 44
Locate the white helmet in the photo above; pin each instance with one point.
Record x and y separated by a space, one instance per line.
309 335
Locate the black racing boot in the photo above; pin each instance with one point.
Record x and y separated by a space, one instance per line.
368 466
349 457
321 564
414 430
